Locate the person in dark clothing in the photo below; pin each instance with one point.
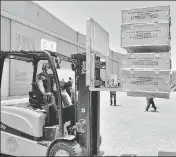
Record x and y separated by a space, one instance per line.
45 81
47 88
68 87
113 95
150 102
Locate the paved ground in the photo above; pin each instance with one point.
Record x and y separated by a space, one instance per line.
127 128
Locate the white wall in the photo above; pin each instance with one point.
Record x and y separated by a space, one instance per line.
5 80
5 45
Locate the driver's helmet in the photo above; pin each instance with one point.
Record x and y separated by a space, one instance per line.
45 66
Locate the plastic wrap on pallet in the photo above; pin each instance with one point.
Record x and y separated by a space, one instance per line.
161 61
146 15
146 37
146 80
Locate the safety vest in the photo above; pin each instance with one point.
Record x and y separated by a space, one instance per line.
47 82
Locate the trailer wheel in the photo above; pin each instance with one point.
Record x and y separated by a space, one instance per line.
65 149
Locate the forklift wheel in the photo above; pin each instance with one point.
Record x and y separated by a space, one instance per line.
65 149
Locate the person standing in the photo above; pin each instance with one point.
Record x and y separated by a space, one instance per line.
66 99
113 96
70 90
150 102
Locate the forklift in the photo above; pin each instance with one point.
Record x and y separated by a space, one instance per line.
25 125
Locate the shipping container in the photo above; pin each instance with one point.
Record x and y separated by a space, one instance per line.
160 61
146 37
146 81
146 15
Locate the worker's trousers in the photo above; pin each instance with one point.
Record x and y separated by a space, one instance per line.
150 102
111 97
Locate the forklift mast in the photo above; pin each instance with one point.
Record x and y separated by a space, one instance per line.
94 75
88 109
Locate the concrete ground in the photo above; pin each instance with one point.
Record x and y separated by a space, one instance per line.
128 129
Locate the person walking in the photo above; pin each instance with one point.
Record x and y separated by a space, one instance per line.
150 102
113 96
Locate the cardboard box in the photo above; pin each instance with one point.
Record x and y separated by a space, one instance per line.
146 15
146 81
146 37
160 61
173 82
149 94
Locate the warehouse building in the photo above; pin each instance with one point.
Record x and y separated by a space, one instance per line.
24 24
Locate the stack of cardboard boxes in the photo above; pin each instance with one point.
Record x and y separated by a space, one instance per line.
145 34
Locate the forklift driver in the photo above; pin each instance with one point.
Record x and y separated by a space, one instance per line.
46 86
43 80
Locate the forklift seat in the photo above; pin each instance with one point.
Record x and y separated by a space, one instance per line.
51 108
36 97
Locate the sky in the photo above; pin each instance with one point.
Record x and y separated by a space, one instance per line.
108 15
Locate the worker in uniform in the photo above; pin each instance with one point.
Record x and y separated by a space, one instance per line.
150 102
70 90
113 95
44 81
47 87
